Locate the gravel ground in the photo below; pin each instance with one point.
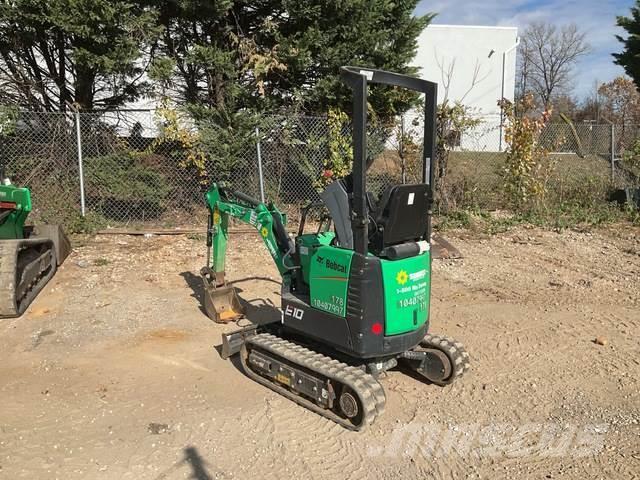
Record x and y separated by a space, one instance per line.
113 372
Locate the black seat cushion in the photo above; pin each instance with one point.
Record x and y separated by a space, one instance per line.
401 216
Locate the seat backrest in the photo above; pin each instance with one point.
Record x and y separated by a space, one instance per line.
336 198
401 216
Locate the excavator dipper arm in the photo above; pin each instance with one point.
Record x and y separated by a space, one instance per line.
221 301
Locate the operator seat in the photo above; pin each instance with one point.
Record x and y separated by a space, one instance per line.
400 215
336 197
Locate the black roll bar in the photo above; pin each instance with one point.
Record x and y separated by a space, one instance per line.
358 78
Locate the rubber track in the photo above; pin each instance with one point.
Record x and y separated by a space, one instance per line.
371 395
10 306
454 350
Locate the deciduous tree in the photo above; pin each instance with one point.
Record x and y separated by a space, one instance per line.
620 101
548 55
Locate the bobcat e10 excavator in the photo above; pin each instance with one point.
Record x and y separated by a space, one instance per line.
355 298
29 255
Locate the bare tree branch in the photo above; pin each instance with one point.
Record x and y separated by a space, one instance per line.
446 75
548 55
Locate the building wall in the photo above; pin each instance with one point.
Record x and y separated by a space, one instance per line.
466 62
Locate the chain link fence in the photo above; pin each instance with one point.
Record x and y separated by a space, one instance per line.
130 176
42 153
586 163
121 168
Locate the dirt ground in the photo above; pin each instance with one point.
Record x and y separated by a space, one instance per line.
113 372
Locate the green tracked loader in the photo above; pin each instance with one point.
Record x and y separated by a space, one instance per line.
29 255
355 297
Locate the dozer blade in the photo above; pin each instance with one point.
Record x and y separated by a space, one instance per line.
26 266
221 303
232 342
441 248
57 236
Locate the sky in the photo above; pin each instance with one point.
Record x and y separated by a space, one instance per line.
596 17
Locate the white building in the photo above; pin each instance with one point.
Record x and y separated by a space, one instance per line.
476 66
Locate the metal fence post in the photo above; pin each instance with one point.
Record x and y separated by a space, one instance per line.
80 170
403 163
613 152
260 165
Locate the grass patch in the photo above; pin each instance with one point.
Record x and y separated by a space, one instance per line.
454 219
568 215
89 224
197 237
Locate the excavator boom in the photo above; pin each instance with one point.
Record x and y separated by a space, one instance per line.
221 301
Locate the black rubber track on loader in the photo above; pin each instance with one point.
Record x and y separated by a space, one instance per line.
26 266
369 392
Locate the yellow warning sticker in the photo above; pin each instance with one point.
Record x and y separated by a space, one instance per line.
283 379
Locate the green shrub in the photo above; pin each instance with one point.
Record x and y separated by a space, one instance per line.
124 179
75 223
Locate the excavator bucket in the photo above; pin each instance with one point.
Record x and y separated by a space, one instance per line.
220 302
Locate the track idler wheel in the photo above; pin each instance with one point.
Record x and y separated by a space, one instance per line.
349 404
441 360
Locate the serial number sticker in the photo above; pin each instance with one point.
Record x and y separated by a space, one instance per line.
413 302
412 197
328 306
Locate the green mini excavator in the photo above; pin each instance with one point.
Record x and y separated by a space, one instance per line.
29 255
355 297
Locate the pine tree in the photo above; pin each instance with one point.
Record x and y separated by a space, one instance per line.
276 54
84 52
629 58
